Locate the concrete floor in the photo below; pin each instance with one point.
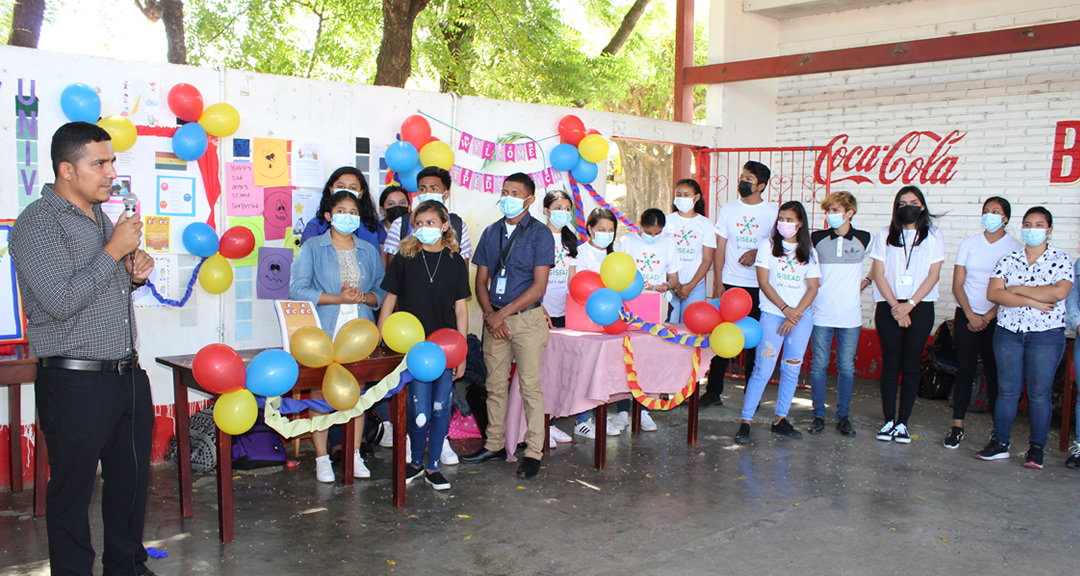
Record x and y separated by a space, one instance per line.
822 505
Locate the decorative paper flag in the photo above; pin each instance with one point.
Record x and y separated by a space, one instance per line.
272 274
530 150
488 151
277 211
242 196
467 177
168 161
489 183
465 142
270 158
548 178
511 151
256 225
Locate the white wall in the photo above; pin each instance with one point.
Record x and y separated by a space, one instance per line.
745 110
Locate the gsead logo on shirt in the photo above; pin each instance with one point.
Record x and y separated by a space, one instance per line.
787 271
647 262
745 230
561 268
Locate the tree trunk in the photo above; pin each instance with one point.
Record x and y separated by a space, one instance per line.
173 18
455 77
627 26
393 66
26 21
647 175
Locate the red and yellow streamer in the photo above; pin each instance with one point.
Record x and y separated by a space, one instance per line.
656 403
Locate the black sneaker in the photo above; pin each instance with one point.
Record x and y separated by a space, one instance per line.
1074 460
816 426
412 472
885 433
784 428
844 427
952 441
900 434
995 450
1034 457
437 481
710 398
743 435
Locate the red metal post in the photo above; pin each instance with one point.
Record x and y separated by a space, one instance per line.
684 94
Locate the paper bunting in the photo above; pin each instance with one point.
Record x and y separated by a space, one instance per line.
492 183
497 151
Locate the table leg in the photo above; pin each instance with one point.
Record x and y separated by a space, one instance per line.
225 486
397 415
15 435
183 444
635 416
547 435
348 437
1068 400
41 469
600 448
692 418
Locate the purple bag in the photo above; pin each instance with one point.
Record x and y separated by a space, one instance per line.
260 447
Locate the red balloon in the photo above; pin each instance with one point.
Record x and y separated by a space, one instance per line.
433 139
735 304
453 344
416 131
592 131
570 123
615 328
219 369
186 102
583 284
701 317
236 242
572 137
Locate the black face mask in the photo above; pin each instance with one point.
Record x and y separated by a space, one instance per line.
396 212
745 188
908 214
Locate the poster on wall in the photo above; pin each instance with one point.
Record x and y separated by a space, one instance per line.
140 101
162 278
12 319
270 159
307 166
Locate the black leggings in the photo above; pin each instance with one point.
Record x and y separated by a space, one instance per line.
901 357
718 366
970 346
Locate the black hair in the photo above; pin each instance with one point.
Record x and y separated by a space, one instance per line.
759 170
1044 212
599 214
435 171
802 237
922 225
569 238
369 216
1005 206
522 178
331 200
390 190
653 217
70 140
699 206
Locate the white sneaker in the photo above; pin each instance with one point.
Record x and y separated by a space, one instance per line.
622 420
586 429
408 448
647 424
448 456
324 470
885 434
559 436
612 429
359 470
552 444
387 440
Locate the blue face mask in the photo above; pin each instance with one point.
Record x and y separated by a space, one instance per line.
650 239
992 222
345 223
560 218
511 206
834 220
603 239
425 197
428 236
1033 236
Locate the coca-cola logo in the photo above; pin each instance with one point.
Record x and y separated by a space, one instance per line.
906 161
1065 166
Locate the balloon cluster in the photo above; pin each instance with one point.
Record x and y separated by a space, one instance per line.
426 360
81 103
581 150
417 150
726 322
603 294
220 370
313 348
190 140
215 274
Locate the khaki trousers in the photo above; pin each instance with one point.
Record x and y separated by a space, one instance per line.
528 338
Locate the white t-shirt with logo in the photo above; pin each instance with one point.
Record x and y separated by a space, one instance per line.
907 266
979 257
786 275
589 258
691 236
654 261
745 227
558 279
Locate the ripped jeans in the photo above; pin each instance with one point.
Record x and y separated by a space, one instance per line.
429 418
792 348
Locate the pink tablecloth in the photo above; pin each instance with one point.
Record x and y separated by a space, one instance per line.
582 370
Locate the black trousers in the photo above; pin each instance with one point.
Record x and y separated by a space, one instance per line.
89 417
718 366
901 357
970 346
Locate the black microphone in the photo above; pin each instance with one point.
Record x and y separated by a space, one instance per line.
130 202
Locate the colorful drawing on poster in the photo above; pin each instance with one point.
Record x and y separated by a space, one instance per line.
307 165
292 241
242 196
305 208
270 157
121 186
241 148
140 101
272 274
277 212
12 317
175 196
169 161
161 277
156 233
256 225
26 136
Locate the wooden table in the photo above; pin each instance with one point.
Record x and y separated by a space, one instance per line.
15 370
381 363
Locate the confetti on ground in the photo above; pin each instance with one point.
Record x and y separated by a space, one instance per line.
313 510
944 539
741 478
914 436
648 475
465 516
587 485
235 477
892 529
921 499
799 539
467 538
795 504
414 516
521 488
667 495
391 563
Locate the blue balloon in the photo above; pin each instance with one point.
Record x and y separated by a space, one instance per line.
634 289
715 302
408 177
603 306
564 157
751 332
189 142
426 361
200 239
585 171
272 373
401 156
80 103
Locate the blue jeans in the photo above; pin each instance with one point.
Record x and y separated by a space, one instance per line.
847 342
793 347
1076 367
429 418
1032 357
678 306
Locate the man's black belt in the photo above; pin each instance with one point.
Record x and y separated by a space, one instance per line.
122 366
525 309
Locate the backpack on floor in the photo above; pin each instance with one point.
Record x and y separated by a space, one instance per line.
260 447
980 393
202 431
939 366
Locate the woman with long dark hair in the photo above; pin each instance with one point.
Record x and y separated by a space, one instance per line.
906 265
695 241
559 209
349 179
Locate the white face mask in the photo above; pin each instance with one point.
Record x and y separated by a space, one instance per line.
603 239
684 204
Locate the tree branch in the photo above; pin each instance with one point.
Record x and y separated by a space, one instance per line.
626 28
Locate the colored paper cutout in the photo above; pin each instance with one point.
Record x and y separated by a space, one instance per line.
277 211
272 273
156 233
255 224
270 157
242 196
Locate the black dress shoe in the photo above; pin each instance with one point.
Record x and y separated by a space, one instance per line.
845 427
816 426
710 398
484 455
529 467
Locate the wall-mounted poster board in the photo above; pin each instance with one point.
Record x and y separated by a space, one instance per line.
12 319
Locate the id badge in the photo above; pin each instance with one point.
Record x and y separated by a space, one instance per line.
905 287
500 285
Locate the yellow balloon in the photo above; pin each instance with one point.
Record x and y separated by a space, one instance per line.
121 129
356 340
401 331
726 340
593 148
617 271
215 276
235 412
437 153
339 387
312 347
220 119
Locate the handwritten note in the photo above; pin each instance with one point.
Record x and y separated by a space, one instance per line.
242 196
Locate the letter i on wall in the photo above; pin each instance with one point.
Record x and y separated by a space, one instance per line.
26 150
